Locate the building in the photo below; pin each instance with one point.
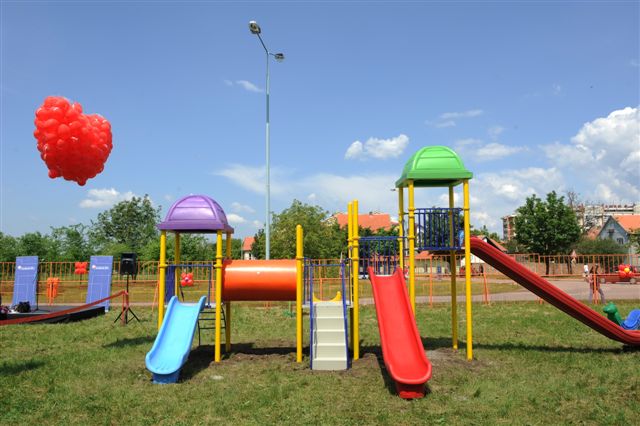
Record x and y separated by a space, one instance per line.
591 217
508 227
620 228
246 248
373 221
595 215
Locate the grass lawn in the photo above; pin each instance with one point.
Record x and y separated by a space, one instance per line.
534 365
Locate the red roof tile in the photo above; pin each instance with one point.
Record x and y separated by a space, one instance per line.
629 222
372 221
247 243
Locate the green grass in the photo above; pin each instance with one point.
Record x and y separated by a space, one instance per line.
534 365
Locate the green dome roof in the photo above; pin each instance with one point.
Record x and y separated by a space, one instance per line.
434 166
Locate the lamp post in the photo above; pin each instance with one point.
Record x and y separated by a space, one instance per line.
255 29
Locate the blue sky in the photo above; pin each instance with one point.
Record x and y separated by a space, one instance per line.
534 96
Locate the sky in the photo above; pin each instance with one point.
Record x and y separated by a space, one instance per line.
533 96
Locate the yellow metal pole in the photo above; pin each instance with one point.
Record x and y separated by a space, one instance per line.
467 269
454 272
299 279
176 274
227 306
412 248
218 293
401 226
356 284
163 271
353 274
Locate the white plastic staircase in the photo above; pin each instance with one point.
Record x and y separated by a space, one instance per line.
329 350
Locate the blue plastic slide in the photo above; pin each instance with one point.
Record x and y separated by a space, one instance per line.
173 343
633 320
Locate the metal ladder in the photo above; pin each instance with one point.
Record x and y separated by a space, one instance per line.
207 320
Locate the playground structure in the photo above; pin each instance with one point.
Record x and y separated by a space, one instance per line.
334 325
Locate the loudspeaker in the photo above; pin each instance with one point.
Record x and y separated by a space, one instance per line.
128 264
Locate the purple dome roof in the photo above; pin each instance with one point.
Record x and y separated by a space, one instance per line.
195 213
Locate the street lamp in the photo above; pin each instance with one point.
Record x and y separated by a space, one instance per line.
255 29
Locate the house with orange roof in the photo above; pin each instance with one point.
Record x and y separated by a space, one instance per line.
373 221
620 228
246 248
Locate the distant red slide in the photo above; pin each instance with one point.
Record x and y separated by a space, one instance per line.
547 291
402 348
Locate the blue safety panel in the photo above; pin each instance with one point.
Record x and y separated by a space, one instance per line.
100 280
170 283
26 280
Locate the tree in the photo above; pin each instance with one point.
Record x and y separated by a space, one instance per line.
36 244
8 248
72 242
546 227
597 246
321 239
484 231
129 226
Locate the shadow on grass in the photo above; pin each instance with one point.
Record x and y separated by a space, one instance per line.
134 341
21 367
540 348
389 383
201 357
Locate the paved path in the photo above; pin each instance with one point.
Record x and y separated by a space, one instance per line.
576 288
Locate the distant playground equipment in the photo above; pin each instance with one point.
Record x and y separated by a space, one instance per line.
334 325
632 322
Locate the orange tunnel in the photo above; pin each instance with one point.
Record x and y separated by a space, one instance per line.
259 280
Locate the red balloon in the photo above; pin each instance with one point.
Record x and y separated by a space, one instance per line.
73 145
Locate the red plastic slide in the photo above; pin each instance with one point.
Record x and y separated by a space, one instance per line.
402 348
547 291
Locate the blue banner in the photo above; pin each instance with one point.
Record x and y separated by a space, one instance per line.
100 280
170 283
26 281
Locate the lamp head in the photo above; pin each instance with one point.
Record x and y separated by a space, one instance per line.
279 57
254 27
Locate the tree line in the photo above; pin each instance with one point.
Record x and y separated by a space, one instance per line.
546 227
129 226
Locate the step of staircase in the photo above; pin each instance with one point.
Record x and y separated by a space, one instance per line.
333 337
329 309
330 364
328 323
329 350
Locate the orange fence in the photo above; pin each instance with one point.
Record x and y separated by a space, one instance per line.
58 283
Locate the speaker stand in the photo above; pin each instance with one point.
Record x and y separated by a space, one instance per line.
127 310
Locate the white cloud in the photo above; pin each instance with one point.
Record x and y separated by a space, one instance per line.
556 89
495 150
478 150
101 198
312 197
241 208
249 86
235 219
449 119
378 148
257 224
604 155
168 197
228 82
253 178
634 63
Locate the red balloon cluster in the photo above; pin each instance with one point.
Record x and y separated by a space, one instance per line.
186 279
81 268
626 271
72 144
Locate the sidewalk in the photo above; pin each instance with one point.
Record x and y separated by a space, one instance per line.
576 288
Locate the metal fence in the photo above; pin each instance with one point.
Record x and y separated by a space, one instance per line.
430 271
